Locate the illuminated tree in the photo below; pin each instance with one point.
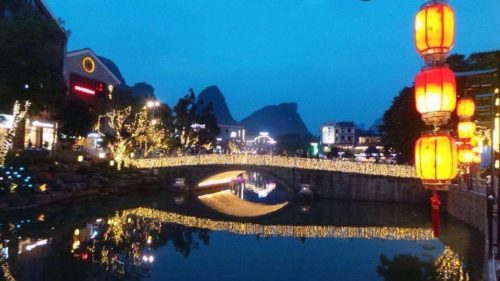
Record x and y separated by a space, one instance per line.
18 115
121 128
154 138
234 147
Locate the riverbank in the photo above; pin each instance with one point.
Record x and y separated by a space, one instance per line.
70 182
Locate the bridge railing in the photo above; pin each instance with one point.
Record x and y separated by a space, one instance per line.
388 170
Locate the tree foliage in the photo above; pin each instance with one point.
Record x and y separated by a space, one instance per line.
185 116
402 125
32 49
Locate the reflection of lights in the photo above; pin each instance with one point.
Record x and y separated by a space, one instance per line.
36 244
150 239
149 258
76 245
221 178
308 231
449 266
227 203
367 168
41 217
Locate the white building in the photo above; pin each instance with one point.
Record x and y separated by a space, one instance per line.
338 133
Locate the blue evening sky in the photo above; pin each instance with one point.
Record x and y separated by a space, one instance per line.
338 59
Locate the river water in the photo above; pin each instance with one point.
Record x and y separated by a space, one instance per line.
257 231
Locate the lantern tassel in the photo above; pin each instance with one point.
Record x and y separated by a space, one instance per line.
435 203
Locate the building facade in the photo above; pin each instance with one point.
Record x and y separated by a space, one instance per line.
483 86
338 134
230 135
87 78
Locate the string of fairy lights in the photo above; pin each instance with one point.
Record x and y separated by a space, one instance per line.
18 114
388 170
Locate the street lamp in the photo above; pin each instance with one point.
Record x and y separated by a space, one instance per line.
152 104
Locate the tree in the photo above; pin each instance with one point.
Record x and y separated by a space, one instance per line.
122 128
19 115
402 125
76 118
32 49
191 128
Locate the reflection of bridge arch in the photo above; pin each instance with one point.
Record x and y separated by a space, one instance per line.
229 204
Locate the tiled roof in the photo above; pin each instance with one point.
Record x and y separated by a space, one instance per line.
476 72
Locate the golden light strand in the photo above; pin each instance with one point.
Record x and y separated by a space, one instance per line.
388 170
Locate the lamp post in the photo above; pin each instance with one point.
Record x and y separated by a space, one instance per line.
435 98
152 105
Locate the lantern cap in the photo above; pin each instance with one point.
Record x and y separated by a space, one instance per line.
438 118
436 184
443 65
434 2
433 133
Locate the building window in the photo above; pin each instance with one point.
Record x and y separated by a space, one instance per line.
349 130
337 131
343 130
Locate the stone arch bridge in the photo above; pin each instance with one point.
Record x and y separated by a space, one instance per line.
329 179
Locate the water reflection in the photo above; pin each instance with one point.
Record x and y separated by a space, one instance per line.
243 194
447 266
123 239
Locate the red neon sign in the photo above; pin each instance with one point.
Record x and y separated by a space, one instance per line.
84 90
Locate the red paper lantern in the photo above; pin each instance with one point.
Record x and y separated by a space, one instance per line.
435 94
436 158
465 154
434 30
466 108
466 130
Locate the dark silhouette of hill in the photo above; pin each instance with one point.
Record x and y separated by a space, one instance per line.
282 119
276 119
212 95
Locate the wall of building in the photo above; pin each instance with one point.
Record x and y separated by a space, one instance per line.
467 206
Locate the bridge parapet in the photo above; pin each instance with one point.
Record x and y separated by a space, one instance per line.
387 170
